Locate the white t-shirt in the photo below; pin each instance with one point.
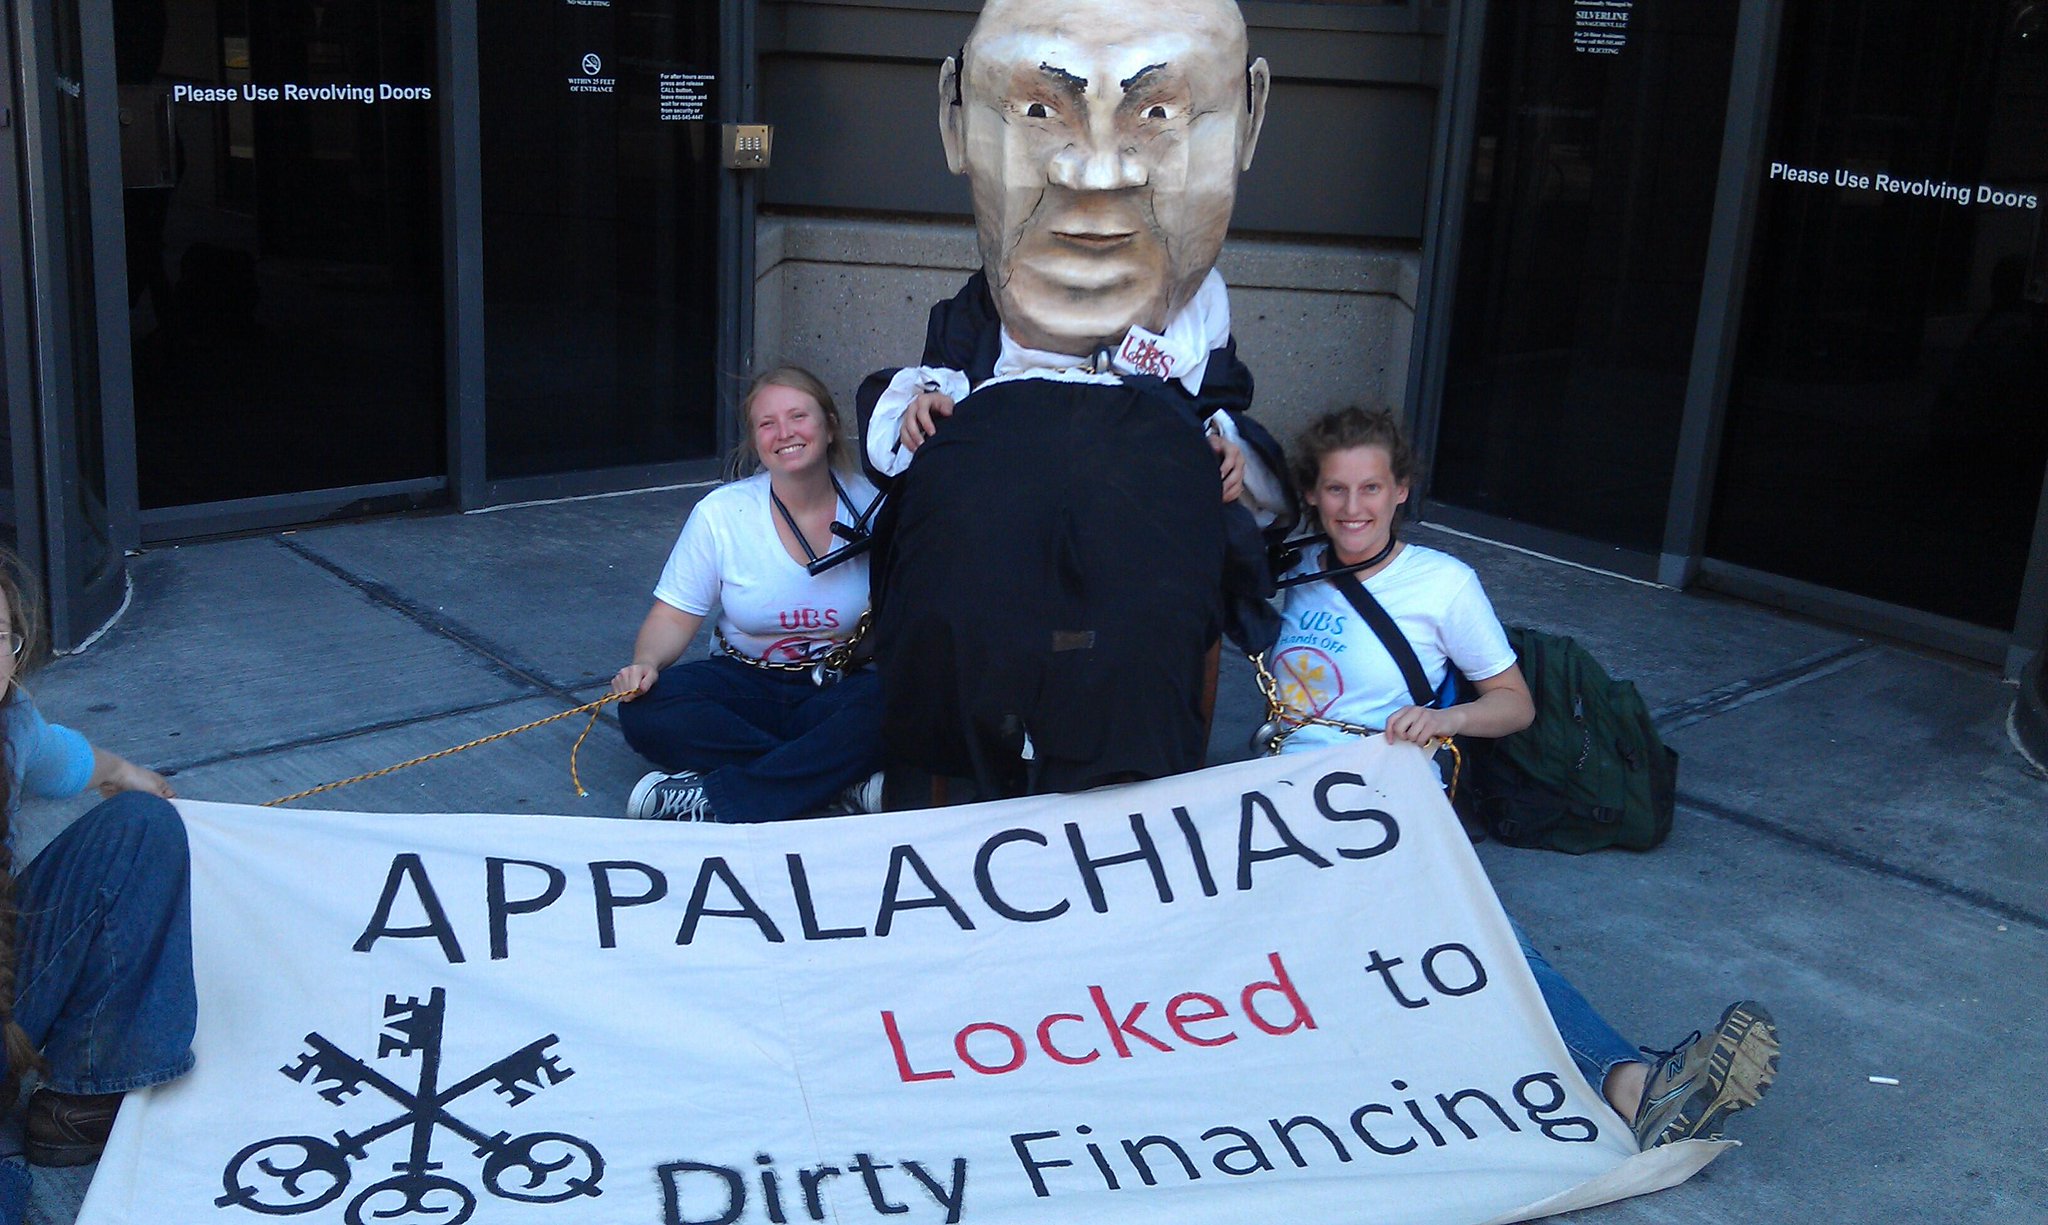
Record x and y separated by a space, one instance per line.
1328 661
769 607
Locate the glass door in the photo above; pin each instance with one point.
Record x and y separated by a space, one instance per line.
1887 428
282 200
289 259
1583 250
600 168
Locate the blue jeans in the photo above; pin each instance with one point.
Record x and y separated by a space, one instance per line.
103 976
1595 1047
104 980
770 745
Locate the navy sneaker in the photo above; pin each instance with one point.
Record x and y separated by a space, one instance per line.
670 797
1693 1088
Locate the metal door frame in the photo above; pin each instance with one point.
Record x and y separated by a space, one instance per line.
48 454
17 386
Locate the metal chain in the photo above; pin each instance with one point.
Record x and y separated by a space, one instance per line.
1290 719
836 659
1287 721
592 707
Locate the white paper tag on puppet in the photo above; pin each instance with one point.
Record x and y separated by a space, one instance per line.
1144 352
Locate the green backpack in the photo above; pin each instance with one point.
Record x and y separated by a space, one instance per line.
1589 773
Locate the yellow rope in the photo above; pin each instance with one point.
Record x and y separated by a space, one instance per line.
574 776
1457 764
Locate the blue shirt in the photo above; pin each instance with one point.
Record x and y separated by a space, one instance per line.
48 760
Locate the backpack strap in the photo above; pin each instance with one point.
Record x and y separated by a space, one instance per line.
1390 636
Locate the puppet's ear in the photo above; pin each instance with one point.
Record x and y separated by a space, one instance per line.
952 116
1258 82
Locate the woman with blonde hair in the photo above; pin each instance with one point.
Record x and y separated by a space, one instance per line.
771 725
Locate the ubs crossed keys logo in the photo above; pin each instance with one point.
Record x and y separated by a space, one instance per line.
285 1175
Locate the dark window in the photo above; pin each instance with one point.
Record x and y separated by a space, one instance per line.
1888 425
1584 244
600 214
282 201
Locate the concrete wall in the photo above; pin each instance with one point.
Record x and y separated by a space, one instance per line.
1320 324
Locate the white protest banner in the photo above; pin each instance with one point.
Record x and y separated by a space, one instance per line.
1279 990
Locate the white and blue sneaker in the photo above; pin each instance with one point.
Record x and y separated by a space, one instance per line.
670 797
864 795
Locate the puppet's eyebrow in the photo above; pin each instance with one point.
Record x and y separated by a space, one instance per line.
1066 80
1139 75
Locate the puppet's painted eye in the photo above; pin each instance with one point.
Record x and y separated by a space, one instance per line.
1155 112
1037 110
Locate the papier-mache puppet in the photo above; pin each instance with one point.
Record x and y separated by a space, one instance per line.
1076 495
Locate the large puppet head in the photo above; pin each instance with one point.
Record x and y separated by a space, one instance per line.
1102 140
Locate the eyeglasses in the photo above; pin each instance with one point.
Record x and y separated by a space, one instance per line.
14 643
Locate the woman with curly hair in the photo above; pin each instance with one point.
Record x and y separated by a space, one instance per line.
1355 469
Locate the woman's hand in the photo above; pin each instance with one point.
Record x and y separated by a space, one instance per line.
1422 724
663 638
1233 465
1502 708
634 680
113 774
920 419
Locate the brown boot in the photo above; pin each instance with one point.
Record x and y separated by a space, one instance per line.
68 1128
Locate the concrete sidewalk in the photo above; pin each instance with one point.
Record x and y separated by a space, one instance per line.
1858 844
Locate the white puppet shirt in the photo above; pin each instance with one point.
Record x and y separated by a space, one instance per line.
1179 354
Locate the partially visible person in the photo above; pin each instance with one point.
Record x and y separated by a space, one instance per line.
1355 470
95 933
766 728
